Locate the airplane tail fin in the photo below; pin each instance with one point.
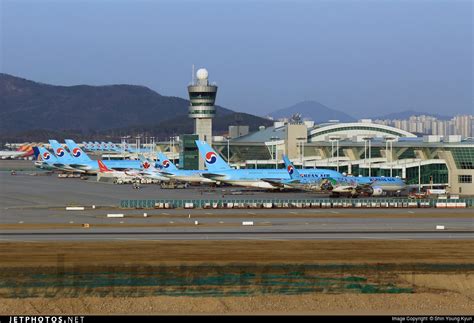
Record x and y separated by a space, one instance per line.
214 162
45 155
164 162
103 168
145 163
36 152
292 171
77 153
59 151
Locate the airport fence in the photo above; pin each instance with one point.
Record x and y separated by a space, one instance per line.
295 203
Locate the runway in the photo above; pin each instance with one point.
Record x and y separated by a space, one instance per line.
33 209
250 234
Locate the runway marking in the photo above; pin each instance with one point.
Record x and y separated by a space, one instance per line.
171 222
208 213
71 222
411 212
294 212
221 222
335 212
121 222
164 213
253 213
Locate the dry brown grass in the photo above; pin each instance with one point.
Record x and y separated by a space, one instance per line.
34 254
401 304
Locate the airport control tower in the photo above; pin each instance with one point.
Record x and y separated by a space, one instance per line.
202 96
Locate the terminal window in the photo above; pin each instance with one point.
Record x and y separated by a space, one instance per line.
465 178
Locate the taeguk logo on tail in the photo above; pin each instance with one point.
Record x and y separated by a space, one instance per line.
166 163
76 152
211 157
60 152
46 156
290 169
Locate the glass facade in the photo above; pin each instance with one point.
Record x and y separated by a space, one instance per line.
465 179
463 157
203 95
203 112
253 153
408 153
188 154
202 104
433 173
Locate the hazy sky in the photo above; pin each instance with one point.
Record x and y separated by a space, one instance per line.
364 57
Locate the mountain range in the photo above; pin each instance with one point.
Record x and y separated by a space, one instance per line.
32 111
313 110
37 111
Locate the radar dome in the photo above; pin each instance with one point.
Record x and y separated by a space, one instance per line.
202 74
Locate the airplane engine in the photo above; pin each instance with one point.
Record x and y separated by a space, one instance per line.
326 185
377 191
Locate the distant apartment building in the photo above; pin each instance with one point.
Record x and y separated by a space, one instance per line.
462 125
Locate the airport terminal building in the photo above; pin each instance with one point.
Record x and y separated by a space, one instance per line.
359 148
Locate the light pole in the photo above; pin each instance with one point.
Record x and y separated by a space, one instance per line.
138 142
301 144
228 148
369 139
419 176
153 144
275 150
336 139
389 140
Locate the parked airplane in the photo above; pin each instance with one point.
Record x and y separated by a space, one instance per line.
117 173
80 160
170 170
343 185
219 170
150 171
335 185
4 154
48 161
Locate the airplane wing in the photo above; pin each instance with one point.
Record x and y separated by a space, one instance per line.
211 175
274 181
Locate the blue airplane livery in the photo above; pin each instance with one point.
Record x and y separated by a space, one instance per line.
220 171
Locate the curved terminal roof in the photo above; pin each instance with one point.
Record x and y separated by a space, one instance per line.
350 130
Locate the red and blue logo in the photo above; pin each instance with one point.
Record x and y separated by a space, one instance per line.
76 152
166 163
211 157
46 155
290 169
60 152
146 165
